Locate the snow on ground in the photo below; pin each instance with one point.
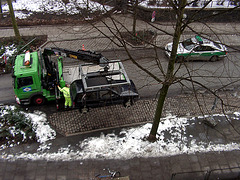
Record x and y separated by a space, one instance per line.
127 144
9 50
25 8
40 126
43 131
200 3
52 7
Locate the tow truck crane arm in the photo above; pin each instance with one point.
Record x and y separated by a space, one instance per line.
53 73
90 56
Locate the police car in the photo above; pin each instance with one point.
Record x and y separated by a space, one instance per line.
198 48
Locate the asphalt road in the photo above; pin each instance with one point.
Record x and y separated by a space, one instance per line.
6 90
211 74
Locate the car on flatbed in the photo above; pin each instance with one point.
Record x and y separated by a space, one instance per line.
96 97
198 48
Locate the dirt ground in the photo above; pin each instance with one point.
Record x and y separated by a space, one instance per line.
42 19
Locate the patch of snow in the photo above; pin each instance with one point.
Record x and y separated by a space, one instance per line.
53 7
9 50
131 143
40 126
43 131
199 4
25 8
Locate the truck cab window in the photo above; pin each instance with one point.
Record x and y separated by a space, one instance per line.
24 81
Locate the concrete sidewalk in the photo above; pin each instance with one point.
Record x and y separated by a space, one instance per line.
63 36
196 166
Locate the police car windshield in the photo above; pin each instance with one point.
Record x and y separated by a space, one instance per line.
217 45
189 43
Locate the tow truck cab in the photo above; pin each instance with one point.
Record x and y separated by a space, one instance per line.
27 77
27 80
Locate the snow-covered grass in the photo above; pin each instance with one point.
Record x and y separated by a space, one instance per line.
16 127
43 131
129 143
6 57
8 50
25 8
53 7
192 4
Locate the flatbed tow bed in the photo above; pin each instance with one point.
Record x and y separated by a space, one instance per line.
98 87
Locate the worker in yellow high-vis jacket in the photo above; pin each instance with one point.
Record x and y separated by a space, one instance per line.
66 94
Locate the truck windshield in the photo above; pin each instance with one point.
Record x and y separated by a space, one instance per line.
24 81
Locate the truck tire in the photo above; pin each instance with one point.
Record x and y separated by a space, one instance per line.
38 100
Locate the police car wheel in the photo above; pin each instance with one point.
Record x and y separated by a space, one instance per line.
38 100
214 58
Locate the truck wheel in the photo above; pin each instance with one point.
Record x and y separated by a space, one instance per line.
38 100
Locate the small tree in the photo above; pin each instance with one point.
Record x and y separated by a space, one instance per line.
135 13
169 79
1 15
14 23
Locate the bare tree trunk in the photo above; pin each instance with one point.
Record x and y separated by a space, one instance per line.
169 76
14 23
135 5
1 15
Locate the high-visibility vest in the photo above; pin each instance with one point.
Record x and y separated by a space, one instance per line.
65 91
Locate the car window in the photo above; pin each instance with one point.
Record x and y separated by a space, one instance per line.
208 48
91 95
217 45
188 44
24 81
203 48
105 94
198 48
116 89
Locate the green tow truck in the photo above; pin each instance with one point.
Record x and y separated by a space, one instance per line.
36 76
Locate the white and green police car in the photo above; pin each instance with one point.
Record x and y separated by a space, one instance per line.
198 48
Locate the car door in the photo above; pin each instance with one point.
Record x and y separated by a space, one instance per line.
196 53
107 97
207 52
204 52
91 99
